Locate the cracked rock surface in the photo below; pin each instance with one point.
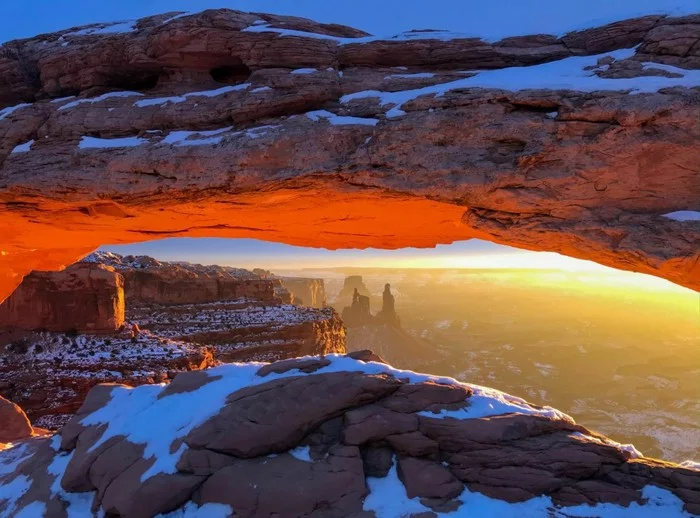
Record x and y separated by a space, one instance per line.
318 436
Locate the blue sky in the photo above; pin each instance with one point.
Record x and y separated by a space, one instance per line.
491 19
251 252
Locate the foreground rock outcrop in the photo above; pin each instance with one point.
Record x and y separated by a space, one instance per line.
231 124
334 436
84 297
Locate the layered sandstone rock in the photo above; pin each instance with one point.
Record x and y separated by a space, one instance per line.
149 281
441 151
308 292
83 297
301 290
245 330
334 436
49 374
358 312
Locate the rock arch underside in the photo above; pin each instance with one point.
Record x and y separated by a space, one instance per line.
230 124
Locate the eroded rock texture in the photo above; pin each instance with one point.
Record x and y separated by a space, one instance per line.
84 297
321 437
307 292
50 374
225 124
149 281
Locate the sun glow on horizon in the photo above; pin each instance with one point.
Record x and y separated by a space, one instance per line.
463 255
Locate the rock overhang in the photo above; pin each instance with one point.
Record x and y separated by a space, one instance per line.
321 145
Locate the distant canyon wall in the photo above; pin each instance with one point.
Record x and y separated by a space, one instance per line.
163 287
309 292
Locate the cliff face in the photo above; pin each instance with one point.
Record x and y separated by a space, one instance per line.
455 147
350 437
84 297
247 330
309 292
147 280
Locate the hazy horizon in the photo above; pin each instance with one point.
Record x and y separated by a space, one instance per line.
474 254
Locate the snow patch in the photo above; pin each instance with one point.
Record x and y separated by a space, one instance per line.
419 75
176 415
259 131
340 120
98 99
192 510
32 510
443 324
304 71
265 27
61 99
565 74
683 215
6 112
112 28
301 453
388 499
178 16
23 148
487 402
11 492
182 98
108 143
195 138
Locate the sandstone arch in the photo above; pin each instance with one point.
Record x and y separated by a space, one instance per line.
295 154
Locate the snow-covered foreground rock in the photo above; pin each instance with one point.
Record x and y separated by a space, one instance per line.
330 436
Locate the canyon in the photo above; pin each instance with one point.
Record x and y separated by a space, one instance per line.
155 387
231 124
158 319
